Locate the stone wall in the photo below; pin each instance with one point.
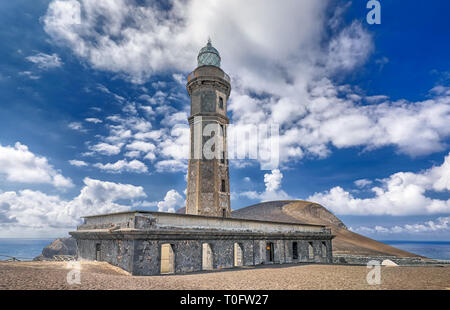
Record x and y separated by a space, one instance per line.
143 257
401 261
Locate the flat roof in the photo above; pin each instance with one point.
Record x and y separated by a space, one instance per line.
202 216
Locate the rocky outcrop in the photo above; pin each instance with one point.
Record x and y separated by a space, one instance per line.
61 246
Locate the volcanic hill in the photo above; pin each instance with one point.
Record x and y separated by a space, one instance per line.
296 211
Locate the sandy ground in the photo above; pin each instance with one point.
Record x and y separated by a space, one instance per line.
53 275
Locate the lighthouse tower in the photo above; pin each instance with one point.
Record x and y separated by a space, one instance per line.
208 185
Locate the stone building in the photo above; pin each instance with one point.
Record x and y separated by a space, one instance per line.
206 237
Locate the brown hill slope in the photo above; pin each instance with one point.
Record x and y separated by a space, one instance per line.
346 242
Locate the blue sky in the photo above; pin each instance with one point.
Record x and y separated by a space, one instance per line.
94 107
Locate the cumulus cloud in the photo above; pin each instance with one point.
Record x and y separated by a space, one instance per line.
19 164
403 193
106 149
36 212
172 201
273 190
120 166
45 61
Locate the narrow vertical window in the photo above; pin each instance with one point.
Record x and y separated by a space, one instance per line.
221 103
223 186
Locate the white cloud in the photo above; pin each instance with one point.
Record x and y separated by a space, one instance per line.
93 120
440 225
403 193
106 149
76 126
172 201
45 61
349 49
30 75
363 183
120 166
273 180
290 61
19 164
78 163
273 188
35 213
141 146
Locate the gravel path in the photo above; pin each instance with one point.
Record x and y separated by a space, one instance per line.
52 275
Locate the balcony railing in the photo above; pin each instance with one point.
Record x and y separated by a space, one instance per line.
193 75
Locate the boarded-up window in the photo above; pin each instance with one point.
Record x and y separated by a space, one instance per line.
238 253
310 250
207 257
324 249
294 250
167 259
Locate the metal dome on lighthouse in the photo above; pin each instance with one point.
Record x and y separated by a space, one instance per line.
208 56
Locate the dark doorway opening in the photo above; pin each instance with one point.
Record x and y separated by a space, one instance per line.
269 252
98 252
294 250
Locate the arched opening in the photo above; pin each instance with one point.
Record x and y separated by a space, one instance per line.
238 255
310 250
207 257
167 259
269 252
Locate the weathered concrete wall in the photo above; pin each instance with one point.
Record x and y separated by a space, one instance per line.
117 252
143 257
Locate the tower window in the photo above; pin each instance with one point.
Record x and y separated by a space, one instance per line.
222 160
224 213
221 103
223 186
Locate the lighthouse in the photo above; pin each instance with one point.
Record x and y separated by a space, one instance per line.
208 184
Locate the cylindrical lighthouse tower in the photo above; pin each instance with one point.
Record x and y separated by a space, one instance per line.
208 188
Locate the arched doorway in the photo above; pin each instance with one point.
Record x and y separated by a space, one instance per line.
167 259
238 255
207 257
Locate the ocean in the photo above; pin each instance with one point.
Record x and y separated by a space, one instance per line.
23 249
27 249
430 249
